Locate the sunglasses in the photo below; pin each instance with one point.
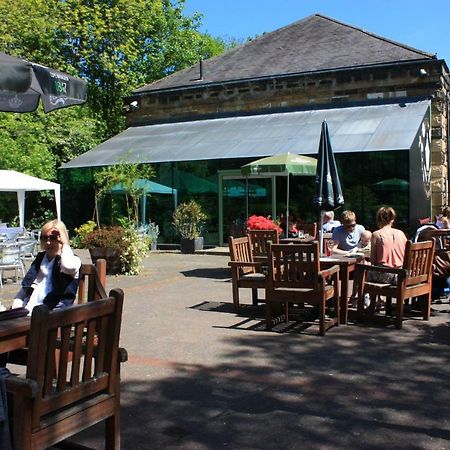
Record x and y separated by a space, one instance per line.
49 237
350 225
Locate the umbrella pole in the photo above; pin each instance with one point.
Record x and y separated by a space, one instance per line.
287 208
321 232
246 198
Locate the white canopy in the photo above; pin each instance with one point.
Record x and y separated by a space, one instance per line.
12 181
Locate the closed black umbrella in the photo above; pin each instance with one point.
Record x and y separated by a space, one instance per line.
23 83
328 192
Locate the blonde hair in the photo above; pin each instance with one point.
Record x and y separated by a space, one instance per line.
58 225
348 217
366 234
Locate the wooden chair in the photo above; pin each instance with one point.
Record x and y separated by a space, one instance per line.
414 279
309 228
261 240
295 277
245 271
92 287
92 282
52 403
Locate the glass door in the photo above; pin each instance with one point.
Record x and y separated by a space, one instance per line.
240 198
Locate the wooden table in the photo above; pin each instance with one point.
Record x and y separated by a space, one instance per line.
346 265
14 333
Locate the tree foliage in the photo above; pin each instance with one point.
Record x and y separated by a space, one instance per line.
126 174
116 45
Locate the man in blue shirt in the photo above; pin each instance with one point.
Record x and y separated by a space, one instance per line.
346 236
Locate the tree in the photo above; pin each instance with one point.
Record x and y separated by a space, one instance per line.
116 45
126 174
120 45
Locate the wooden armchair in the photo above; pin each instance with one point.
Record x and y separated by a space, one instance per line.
308 228
261 240
55 401
295 277
91 287
414 279
92 282
245 271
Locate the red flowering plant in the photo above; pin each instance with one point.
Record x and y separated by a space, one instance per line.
262 223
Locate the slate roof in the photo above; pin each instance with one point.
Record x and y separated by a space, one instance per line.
315 43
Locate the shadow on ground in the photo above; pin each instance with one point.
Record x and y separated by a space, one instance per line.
377 392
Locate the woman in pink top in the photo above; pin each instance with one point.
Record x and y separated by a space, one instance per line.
387 245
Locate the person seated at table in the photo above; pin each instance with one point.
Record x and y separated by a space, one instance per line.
388 246
328 222
443 219
345 237
292 228
364 244
53 277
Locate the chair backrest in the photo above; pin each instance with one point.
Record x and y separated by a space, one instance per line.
241 250
309 228
28 248
442 237
90 332
92 282
418 261
261 240
10 254
294 266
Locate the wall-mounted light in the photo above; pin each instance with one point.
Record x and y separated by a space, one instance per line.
132 106
423 72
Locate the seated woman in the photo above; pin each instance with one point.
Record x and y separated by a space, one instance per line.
387 245
443 220
53 277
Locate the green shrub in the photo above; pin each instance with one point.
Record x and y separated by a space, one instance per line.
189 219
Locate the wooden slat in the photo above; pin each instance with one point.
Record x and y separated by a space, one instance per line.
50 408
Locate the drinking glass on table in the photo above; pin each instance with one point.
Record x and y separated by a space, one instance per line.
330 245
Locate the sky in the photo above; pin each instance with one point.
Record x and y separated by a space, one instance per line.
419 24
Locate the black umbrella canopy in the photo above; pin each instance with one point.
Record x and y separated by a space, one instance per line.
23 83
328 191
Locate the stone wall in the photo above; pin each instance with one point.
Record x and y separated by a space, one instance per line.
331 89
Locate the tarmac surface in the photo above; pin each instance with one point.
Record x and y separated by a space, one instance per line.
201 377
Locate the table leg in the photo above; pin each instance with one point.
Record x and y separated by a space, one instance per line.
345 276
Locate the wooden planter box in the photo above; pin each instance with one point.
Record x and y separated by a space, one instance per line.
188 246
112 258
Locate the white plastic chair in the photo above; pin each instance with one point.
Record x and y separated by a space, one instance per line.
10 260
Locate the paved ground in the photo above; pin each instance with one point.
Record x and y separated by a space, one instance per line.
201 377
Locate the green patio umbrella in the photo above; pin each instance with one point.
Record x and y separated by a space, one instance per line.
393 184
283 164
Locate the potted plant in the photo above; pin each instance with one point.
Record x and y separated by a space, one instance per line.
106 243
121 246
188 220
151 233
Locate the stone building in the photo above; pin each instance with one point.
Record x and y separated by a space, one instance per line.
386 105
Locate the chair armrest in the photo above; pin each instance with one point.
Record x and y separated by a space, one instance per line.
255 264
326 273
402 273
23 387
